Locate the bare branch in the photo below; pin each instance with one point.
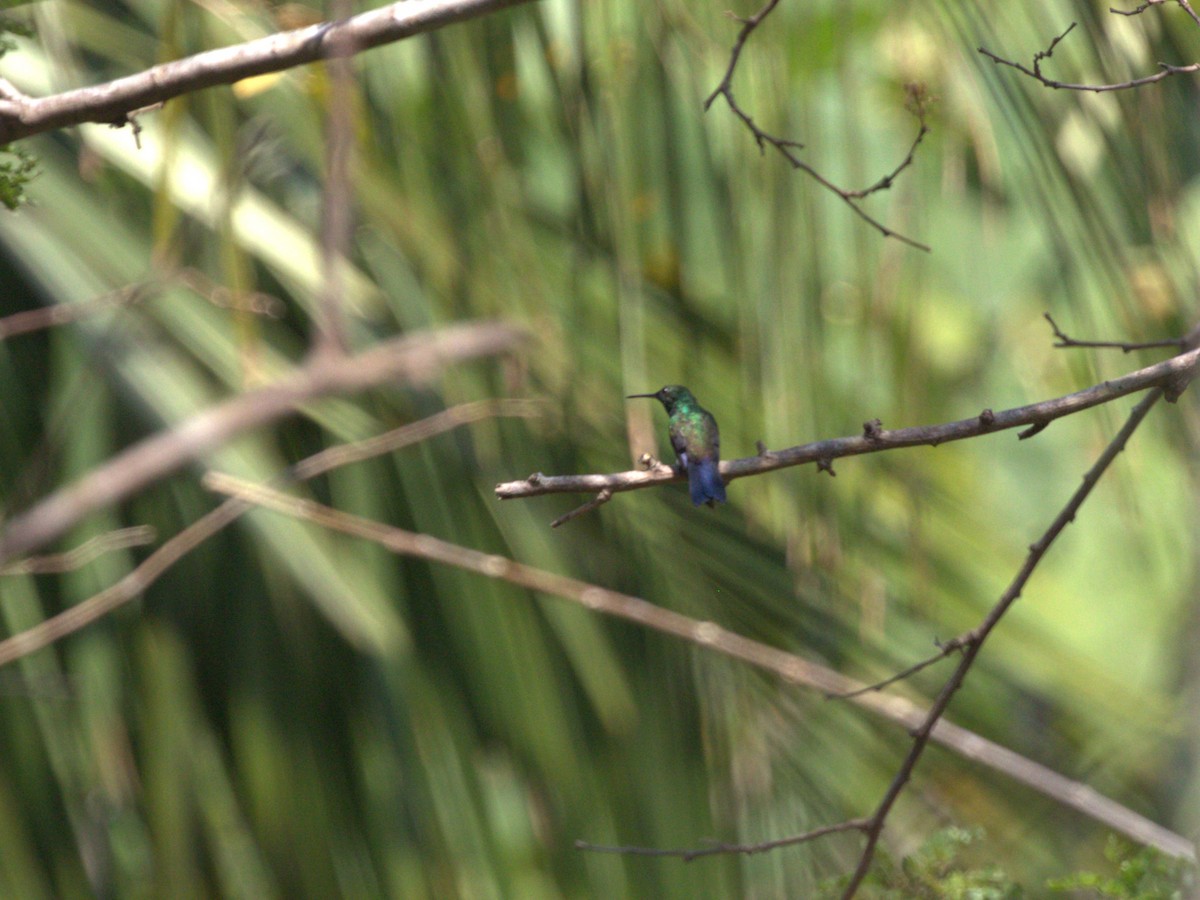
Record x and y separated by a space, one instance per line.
415 432
336 210
875 439
413 357
121 539
687 855
31 320
1165 70
788 666
135 583
599 500
1137 11
256 303
1127 346
112 103
1186 6
787 148
128 588
944 650
973 642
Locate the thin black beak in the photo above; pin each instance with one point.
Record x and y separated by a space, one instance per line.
631 396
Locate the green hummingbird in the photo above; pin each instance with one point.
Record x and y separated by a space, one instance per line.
696 442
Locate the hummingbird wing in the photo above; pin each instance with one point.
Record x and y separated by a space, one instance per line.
679 444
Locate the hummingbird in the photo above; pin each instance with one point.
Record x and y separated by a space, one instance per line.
696 442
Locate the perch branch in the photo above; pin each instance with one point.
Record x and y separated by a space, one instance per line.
875 438
708 635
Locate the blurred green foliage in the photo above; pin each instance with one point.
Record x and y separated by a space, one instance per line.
1140 873
17 168
945 867
288 713
935 871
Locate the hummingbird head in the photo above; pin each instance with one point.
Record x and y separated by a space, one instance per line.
669 396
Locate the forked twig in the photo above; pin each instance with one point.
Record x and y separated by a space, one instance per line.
973 641
1165 70
1127 346
787 147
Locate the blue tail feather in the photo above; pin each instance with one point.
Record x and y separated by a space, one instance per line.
704 482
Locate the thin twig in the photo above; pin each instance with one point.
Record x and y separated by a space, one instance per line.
599 500
716 847
710 636
787 148
1036 415
944 650
1165 70
414 432
121 539
1127 346
32 320
1187 7
1137 11
1184 4
336 209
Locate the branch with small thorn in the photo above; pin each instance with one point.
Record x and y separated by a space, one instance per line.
1172 374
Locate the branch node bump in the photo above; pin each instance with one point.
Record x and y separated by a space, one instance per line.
648 461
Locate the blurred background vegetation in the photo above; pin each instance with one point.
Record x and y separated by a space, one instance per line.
288 713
